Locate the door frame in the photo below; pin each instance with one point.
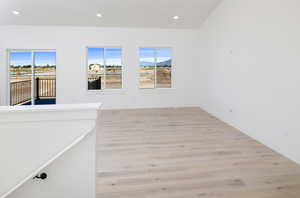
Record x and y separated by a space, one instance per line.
32 51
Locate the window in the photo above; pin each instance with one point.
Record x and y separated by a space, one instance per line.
155 68
32 77
104 68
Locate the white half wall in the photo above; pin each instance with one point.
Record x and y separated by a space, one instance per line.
70 44
38 138
250 52
71 175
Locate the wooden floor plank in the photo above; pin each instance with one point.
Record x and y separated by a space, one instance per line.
186 153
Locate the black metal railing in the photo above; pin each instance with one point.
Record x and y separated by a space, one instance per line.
20 91
45 88
94 83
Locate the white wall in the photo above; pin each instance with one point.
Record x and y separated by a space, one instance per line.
43 138
71 43
250 71
72 175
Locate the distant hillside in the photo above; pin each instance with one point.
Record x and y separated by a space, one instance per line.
164 63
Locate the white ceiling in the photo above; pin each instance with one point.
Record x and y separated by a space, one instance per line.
116 13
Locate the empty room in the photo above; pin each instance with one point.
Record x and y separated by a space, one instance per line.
149 99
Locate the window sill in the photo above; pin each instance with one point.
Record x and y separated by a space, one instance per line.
106 92
156 90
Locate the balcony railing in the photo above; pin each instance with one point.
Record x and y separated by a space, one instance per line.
94 82
45 88
20 91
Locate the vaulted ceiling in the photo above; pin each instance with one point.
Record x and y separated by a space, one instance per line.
115 13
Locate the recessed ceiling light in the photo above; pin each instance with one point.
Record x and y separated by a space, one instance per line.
15 12
99 15
175 17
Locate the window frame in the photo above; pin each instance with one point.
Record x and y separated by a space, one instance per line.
155 73
32 51
104 59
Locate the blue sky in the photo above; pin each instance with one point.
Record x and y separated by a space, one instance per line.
147 54
95 56
113 56
24 58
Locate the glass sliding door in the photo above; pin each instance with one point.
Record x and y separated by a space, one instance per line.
32 77
44 77
20 81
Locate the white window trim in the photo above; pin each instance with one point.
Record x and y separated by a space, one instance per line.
105 90
155 59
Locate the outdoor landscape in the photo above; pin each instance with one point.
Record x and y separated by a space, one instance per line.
20 73
21 83
163 77
112 76
104 68
155 68
154 71
23 77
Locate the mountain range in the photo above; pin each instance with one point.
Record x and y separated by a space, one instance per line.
164 63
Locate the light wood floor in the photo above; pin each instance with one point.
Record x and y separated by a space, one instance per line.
186 153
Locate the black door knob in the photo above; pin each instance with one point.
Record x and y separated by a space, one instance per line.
41 176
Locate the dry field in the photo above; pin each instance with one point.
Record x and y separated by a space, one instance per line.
163 77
